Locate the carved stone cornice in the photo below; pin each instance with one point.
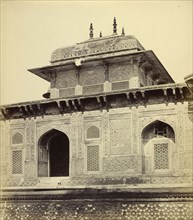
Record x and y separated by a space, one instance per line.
116 99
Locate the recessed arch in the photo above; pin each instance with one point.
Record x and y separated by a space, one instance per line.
158 146
158 128
53 154
92 132
17 138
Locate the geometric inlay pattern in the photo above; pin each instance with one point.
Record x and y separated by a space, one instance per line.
93 210
17 162
120 136
161 160
93 158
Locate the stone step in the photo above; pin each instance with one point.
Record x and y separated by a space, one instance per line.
53 181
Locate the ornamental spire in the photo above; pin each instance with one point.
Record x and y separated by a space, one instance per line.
123 32
91 31
114 26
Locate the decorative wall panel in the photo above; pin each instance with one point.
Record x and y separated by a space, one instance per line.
66 92
92 210
188 127
92 132
17 162
17 138
106 134
185 161
94 89
80 136
119 72
93 158
74 134
135 131
66 79
90 76
161 156
44 126
180 127
120 136
120 85
27 145
118 164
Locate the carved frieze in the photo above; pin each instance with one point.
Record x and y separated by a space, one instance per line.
95 47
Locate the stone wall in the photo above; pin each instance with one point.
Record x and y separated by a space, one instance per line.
95 209
112 149
98 79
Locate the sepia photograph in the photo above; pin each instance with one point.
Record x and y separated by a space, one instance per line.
96 110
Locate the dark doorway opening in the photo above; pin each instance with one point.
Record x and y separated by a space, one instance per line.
55 145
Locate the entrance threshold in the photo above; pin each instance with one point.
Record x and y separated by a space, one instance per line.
53 181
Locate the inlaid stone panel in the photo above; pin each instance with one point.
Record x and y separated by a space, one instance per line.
92 210
120 136
118 164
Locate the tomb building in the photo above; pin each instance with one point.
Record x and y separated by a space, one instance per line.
112 121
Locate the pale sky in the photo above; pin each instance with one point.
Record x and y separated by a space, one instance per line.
31 30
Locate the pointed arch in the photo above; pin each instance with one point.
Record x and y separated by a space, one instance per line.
158 128
53 154
93 132
158 146
17 138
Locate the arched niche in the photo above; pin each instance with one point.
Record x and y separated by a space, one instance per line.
92 132
157 129
158 147
17 138
53 154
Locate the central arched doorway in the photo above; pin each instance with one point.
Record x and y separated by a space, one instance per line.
53 155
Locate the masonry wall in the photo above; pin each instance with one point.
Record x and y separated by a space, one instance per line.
121 153
94 79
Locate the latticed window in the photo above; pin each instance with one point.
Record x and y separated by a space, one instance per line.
161 156
17 162
17 138
92 132
161 130
93 158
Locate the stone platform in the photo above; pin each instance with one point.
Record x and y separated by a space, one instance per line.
97 203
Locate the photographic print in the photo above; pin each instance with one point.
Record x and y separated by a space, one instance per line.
96 114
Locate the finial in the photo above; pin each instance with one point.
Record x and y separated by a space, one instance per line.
91 31
114 26
100 34
123 32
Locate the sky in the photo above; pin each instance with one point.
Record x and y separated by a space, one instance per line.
31 30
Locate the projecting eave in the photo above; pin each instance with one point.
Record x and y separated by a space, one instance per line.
46 71
158 66
158 94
